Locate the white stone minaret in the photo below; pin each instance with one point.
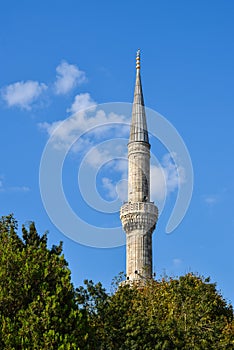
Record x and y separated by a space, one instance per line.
138 215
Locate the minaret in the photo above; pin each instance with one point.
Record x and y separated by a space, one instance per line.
138 215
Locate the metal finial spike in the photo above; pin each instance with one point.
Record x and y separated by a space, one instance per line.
138 59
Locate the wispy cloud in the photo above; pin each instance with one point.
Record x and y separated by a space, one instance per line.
19 189
94 123
66 130
110 187
165 178
5 188
210 200
176 262
22 94
81 103
68 76
115 190
87 120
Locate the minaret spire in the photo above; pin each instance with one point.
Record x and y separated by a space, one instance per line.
138 215
138 59
138 130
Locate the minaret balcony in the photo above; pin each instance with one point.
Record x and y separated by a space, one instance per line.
139 207
139 215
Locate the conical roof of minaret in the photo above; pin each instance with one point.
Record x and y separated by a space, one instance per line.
138 131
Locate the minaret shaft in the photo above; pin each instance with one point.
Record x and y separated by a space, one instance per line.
139 215
138 172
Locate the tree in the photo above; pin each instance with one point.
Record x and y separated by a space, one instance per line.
94 300
38 309
184 313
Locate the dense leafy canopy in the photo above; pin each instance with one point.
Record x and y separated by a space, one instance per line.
184 313
40 309
37 300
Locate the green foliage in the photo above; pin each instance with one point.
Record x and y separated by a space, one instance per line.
185 313
93 300
39 308
37 300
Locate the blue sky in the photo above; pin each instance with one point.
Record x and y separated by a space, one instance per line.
59 57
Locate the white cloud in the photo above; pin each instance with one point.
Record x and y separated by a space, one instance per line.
210 199
110 155
122 164
93 123
4 188
122 189
22 94
177 262
19 189
68 76
82 102
114 190
110 187
87 120
97 157
121 167
165 178
157 183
